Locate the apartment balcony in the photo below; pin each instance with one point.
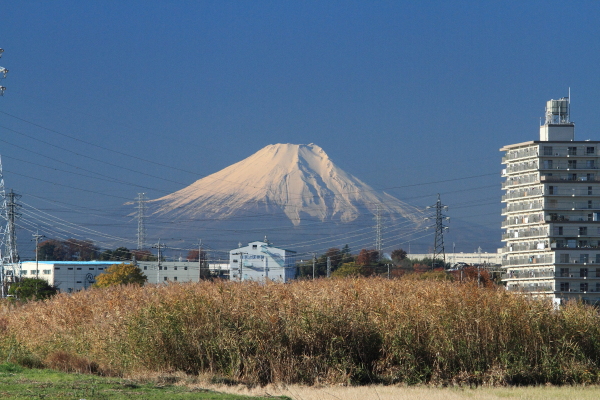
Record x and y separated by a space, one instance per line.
572 205
515 155
525 234
517 168
592 275
522 193
571 192
530 289
525 180
530 219
532 206
547 259
568 178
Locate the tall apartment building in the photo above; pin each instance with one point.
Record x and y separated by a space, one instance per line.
552 212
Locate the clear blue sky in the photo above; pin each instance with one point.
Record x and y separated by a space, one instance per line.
399 94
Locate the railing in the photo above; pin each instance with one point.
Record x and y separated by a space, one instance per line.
525 234
567 166
548 259
565 178
539 288
512 168
516 154
523 193
528 274
572 205
570 192
522 220
521 180
534 205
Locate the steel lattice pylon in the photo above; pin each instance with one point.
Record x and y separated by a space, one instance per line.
438 243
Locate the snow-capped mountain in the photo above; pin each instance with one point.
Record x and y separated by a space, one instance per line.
299 181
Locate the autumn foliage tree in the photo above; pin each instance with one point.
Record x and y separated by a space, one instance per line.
121 274
367 257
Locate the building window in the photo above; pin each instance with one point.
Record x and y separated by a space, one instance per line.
70 269
572 177
558 230
590 150
160 267
235 261
175 278
590 164
547 150
547 164
589 190
185 268
564 286
589 204
564 258
254 247
58 268
583 272
572 164
583 230
564 272
165 268
78 281
100 269
572 151
78 269
165 278
550 189
91 269
583 287
46 272
145 267
175 268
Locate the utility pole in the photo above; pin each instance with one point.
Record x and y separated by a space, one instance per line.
329 267
241 254
37 238
159 246
202 262
141 217
314 260
438 244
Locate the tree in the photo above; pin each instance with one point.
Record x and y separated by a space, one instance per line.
398 255
143 255
350 269
192 255
121 274
32 289
367 257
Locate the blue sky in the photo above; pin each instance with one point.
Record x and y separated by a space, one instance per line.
400 94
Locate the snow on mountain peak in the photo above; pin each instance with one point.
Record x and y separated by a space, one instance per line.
298 179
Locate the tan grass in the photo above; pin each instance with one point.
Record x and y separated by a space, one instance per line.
313 332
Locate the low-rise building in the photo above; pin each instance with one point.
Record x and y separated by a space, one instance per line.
259 261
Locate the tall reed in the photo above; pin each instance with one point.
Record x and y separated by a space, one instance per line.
340 330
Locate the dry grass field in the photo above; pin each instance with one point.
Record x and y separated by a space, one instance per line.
326 332
371 392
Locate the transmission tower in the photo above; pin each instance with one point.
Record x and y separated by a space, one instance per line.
9 256
141 217
438 243
378 229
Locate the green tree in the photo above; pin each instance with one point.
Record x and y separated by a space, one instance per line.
121 274
398 255
32 289
351 269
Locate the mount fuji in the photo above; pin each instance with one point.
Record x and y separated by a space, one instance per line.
293 182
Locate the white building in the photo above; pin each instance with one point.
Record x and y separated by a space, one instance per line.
468 258
260 260
67 276
552 212
180 271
